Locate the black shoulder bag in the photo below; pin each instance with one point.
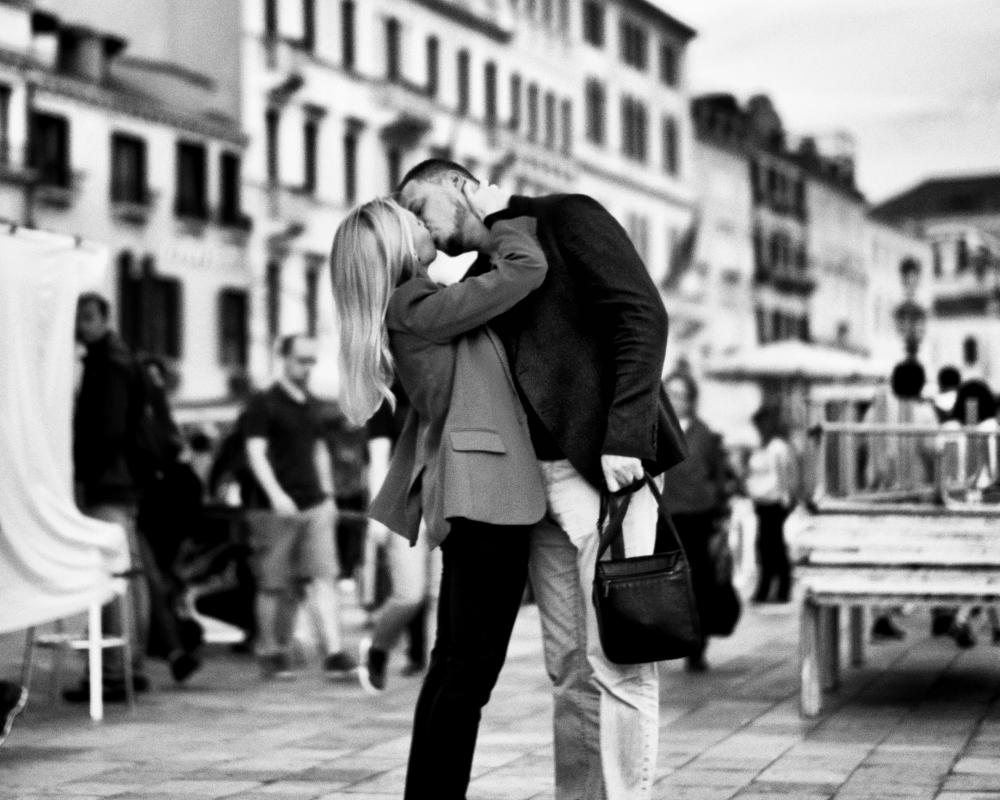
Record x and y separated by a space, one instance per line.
645 604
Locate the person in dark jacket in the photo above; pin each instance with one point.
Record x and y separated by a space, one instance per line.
103 427
697 488
586 351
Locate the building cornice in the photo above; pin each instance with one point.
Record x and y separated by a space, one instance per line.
120 101
674 25
468 18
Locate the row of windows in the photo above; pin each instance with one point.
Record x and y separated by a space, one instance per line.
980 260
151 309
778 253
272 295
557 112
50 158
633 38
634 127
550 14
633 43
777 190
775 325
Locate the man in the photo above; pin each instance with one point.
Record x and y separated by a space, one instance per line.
104 425
292 536
587 351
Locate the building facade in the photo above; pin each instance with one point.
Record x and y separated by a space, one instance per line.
108 148
959 219
338 99
835 248
713 290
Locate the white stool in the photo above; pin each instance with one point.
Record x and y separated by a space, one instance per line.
95 644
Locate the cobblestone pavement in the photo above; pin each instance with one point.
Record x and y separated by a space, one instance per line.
920 720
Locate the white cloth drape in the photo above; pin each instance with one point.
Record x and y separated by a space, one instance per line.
53 560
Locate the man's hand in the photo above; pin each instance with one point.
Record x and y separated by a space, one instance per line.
485 199
621 471
283 504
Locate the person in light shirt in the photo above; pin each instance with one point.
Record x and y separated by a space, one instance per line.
771 482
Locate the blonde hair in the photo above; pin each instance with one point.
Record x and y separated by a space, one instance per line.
372 248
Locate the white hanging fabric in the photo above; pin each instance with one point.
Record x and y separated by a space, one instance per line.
54 561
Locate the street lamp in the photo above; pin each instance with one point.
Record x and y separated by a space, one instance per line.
910 316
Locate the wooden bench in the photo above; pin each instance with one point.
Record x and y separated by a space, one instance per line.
855 559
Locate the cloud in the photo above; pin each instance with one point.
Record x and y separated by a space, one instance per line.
898 74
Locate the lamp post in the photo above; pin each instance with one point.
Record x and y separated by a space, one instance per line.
909 315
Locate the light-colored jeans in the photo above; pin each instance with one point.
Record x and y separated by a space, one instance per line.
606 715
416 577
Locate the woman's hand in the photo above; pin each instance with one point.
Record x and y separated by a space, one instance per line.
485 199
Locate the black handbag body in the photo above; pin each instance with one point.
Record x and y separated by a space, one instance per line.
645 604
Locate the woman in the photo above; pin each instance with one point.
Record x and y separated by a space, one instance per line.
464 461
771 480
698 498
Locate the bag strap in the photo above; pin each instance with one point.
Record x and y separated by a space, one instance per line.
611 535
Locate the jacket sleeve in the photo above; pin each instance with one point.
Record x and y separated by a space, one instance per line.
441 313
628 312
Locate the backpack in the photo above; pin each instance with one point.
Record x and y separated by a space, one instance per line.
153 438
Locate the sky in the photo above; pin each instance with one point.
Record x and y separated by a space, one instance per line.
916 82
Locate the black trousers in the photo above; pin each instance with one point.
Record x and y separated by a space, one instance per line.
772 554
695 531
482 582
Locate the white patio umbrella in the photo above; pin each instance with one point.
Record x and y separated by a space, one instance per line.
791 359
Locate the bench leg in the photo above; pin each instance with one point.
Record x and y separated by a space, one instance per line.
830 642
809 658
858 631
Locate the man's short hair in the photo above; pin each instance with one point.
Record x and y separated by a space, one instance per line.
948 378
99 300
432 169
908 379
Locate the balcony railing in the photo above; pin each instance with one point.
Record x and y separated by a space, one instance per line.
134 208
58 187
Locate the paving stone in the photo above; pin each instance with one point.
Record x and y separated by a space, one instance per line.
893 731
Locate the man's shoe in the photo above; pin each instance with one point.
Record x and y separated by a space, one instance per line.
183 666
275 667
113 691
885 629
963 636
941 624
13 698
371 667
339 665
110 692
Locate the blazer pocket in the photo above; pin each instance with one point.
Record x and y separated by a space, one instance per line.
481 441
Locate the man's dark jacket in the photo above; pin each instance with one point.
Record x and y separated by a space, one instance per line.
102 422
587 347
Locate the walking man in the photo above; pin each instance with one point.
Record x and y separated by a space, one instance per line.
587 351
292 535
104 422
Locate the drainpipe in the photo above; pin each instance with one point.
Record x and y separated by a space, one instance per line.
30 182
